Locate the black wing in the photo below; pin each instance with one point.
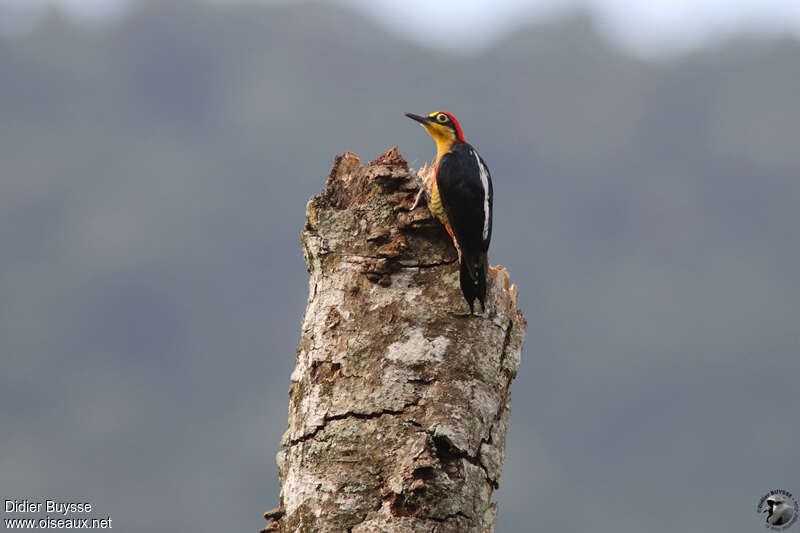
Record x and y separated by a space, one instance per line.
465 188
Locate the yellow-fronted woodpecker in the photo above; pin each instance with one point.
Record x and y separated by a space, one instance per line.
461 198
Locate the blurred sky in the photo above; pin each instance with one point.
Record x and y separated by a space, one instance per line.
648 27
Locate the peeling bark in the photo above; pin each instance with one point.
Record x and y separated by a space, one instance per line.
399 402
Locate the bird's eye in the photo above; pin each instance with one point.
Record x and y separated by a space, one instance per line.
441 117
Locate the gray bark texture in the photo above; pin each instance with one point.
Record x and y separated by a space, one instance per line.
399 402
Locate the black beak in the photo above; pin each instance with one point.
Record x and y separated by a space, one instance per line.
421 120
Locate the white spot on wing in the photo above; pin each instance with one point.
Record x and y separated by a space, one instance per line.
484 173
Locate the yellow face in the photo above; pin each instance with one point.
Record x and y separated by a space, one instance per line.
444 129
441 129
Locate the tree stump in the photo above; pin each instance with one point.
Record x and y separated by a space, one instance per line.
399 402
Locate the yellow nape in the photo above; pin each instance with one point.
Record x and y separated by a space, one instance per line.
443 136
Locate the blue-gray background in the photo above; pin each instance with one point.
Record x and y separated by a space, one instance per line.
154 170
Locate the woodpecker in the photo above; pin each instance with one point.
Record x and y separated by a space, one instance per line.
461 198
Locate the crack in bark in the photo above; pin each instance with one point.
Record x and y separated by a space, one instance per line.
421 381
499 413
462 514
447 452
506 342
351 414
427 265
492 483
354 259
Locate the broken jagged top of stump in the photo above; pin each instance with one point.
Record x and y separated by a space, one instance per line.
401 237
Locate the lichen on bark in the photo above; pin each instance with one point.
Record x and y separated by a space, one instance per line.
399 402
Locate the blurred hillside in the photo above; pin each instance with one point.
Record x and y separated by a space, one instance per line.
152 189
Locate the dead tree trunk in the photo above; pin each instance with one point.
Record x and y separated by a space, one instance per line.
399 402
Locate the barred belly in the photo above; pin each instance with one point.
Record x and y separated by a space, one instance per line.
435 205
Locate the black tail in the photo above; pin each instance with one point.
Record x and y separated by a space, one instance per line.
473 279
